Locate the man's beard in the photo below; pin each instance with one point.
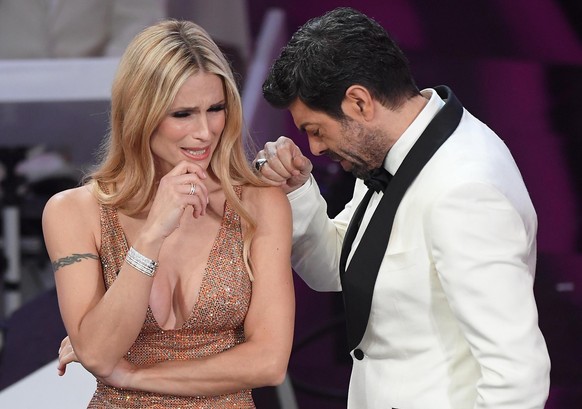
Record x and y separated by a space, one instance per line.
375 152
361 172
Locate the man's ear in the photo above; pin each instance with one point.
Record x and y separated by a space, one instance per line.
358 103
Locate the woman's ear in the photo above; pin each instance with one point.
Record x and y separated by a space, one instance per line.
358 103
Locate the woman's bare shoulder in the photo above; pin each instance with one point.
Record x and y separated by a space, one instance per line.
261 199
78 199
260 194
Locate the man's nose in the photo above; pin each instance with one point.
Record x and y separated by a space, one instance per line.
316 146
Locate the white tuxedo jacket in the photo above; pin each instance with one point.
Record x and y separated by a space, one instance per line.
453 322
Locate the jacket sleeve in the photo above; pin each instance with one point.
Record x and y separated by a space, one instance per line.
484 250
317 239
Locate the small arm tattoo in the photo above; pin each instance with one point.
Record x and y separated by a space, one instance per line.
74 258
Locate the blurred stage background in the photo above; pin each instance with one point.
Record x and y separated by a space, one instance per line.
516 65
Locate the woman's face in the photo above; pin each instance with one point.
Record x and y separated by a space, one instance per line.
192 127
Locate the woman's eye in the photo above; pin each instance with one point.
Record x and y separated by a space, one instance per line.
217 108
181 114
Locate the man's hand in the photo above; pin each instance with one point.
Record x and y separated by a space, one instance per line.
285 165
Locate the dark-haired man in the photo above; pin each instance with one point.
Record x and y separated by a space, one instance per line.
443 315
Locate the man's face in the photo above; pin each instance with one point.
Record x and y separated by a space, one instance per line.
356 147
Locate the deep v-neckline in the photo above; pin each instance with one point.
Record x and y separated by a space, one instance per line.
203 282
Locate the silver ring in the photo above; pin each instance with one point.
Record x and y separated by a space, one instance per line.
259 163
192 189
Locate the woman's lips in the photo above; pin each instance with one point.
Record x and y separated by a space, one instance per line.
197 153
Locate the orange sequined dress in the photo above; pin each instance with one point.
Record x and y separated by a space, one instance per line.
215 323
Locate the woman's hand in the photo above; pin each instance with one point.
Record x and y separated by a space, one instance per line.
119 378
183 186
66 355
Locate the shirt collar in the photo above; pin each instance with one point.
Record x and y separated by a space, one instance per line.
400 149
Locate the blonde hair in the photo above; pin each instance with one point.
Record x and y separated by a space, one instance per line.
151 71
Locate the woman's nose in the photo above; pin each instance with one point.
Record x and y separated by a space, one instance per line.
200 128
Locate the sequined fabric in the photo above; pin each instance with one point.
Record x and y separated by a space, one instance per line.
215 323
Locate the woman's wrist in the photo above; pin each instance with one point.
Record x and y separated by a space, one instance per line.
137 379
130 379
148 246
141 263
143 254
123 376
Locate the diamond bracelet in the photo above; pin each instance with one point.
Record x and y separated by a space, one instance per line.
141 263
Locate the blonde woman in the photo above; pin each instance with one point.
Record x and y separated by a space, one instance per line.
172 261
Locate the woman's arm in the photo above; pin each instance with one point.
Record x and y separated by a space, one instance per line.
262 359
102 325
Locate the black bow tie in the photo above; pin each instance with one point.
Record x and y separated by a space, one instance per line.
378 180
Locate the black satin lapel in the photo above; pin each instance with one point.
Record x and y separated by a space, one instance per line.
359 279
353 230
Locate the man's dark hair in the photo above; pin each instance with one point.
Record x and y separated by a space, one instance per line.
328 54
